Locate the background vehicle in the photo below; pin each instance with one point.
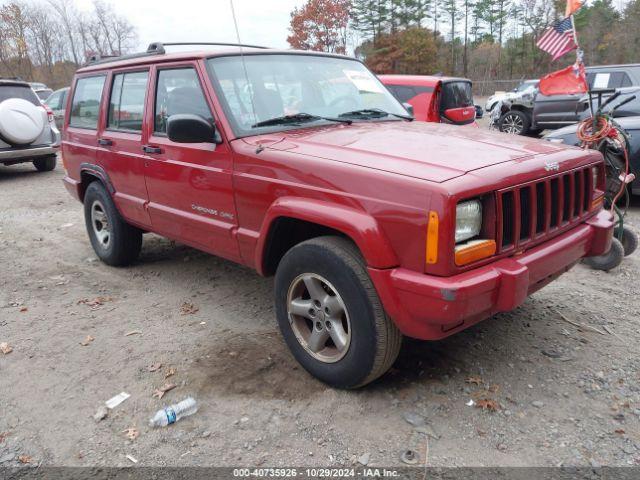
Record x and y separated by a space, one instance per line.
434 98
304 166
528 113
493 100
57 102
27 129
42 91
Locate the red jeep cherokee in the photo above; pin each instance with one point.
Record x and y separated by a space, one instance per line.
303 165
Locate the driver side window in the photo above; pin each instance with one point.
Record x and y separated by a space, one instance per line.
179 91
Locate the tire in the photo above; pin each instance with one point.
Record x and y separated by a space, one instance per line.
515 122
629 240
338 276
115 242
45 164
609 260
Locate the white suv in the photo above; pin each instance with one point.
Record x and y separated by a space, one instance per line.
28 131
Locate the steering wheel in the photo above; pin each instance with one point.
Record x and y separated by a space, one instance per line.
349 102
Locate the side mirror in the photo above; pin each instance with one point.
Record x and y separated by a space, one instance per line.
408 107
189 128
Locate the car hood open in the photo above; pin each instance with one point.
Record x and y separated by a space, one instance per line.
429 151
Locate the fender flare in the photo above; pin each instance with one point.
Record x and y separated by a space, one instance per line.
99 172
356 224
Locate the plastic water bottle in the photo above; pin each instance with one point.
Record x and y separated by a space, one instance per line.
173 413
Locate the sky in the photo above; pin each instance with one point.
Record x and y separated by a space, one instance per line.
261 22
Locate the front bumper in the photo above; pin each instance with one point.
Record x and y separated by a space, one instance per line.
430 308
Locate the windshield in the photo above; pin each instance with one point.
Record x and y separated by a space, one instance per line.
278 85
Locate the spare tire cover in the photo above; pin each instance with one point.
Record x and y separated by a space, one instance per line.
21 122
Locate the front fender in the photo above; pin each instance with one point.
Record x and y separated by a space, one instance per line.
358 225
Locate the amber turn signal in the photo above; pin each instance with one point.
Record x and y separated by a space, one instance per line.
475 250
432 238
597 202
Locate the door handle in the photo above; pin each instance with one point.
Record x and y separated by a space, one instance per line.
105 142
150 149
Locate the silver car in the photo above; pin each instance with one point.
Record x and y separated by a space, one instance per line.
28 131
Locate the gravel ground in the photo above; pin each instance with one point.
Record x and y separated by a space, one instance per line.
82 332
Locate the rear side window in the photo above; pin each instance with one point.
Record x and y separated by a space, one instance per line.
85 107
126 106
402 92
179 91
456 95
18 91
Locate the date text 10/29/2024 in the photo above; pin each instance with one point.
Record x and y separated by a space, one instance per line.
308 473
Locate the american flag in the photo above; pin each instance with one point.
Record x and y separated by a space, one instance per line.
558 39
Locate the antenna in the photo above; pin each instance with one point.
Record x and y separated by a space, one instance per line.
244 65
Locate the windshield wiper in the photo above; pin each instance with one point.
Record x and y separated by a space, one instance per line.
297 118
374 113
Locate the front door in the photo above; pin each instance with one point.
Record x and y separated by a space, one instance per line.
120 144
190 184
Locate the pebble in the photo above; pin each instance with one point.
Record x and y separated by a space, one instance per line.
364 458
414 419
101 414
537 404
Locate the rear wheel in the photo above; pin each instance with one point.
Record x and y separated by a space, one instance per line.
330 315
629 240
115 241
515 122
45 164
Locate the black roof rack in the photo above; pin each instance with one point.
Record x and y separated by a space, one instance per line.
157 48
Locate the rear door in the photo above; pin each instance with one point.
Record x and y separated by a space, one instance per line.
120 143
190 184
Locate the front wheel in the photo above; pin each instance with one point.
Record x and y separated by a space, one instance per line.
330 315
515 122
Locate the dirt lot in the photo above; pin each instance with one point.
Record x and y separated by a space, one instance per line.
564 395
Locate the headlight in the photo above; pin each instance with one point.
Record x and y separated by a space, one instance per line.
468 220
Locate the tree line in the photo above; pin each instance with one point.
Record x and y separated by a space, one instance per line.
485 40
47 40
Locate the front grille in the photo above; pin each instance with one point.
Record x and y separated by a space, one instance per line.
537 209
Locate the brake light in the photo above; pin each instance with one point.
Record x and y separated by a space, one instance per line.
50 116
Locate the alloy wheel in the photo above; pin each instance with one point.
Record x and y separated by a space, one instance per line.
512 124
319 318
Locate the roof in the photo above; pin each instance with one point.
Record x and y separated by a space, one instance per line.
13 81
154 58
420 80
619 65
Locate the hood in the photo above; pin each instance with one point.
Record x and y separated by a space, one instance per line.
430 151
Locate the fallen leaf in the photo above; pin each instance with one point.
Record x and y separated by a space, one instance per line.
154 367
5 348
476 380
87 341
133 332
488 404
159 392
24 458
131 433
494 388
188 309
4 435
24 309
170 372
620 431
96 302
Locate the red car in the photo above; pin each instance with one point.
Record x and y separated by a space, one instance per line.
434 98
302 165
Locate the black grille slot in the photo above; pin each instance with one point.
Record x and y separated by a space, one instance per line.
554 202
525 212
566 193
507 218
540 207
577 188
